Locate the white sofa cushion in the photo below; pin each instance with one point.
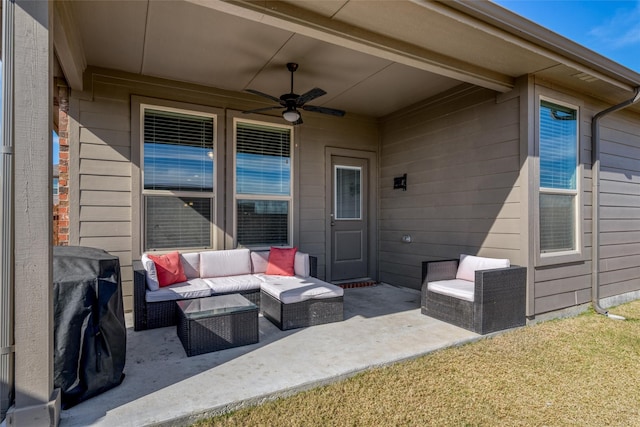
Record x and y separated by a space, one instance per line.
292 289
301 264
231 262
469 264
242 282
457 288
194 288
150 272
259 261
191 264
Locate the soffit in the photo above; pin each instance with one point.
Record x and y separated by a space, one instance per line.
439 33
372 58
188 42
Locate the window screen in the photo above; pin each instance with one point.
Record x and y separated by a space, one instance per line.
178 168
557 226
263 185
263 222
178 222
558 150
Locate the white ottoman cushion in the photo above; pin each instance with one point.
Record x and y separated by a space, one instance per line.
292 289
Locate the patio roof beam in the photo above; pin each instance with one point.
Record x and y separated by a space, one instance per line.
68 45
301 21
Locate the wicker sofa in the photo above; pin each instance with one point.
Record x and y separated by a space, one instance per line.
235 271
483 295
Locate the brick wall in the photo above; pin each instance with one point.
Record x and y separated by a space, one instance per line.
61 226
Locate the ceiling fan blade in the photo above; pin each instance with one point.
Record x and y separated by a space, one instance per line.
312 94
323 110
264 95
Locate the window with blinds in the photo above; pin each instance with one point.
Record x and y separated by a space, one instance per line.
262 184
178 171
558 195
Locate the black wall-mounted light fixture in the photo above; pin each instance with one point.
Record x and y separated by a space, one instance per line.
400 182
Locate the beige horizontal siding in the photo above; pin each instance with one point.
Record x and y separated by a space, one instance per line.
106 176
462 161
561 286
105 198
97 182
105 229
109 137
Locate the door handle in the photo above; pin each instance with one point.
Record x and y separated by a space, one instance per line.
333 222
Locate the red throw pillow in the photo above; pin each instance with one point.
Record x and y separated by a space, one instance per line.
281 261
169 268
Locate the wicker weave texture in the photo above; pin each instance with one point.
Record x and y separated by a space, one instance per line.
217 332
301 314
150 315
499 299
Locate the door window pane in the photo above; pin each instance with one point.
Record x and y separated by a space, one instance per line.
348 192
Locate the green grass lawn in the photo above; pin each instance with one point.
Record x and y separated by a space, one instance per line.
582 371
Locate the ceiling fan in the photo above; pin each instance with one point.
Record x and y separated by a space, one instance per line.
291 101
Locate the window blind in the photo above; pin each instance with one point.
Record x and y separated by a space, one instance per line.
263 160
178 151
558 151
558 146
557 213
263 222
178 222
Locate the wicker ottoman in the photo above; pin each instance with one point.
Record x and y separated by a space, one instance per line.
216 323
290 305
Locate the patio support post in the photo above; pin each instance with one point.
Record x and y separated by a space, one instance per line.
6 217
36 403
595 205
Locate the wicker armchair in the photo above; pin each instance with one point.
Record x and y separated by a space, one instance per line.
498 300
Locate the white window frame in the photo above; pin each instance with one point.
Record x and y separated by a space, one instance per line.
195 194
274 197
576 254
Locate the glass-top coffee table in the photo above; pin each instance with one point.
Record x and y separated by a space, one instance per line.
216 323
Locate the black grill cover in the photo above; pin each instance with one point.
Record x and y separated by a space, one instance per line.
90 336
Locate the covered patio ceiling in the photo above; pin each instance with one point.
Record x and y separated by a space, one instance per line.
372 58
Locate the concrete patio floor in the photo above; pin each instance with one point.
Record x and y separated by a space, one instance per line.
163 386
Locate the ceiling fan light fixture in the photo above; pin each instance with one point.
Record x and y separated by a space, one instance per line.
291 115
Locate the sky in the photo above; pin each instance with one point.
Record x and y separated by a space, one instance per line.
610 28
